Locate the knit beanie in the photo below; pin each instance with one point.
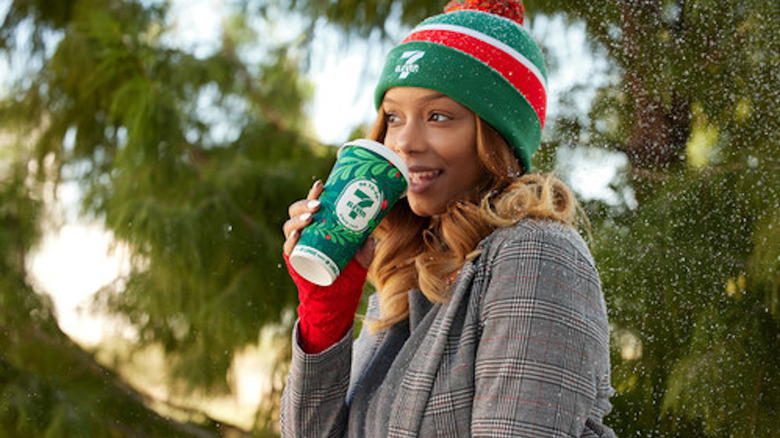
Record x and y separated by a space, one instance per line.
478 54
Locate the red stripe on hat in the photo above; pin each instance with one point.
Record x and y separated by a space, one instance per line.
520 76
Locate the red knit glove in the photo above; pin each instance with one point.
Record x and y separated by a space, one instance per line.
326 313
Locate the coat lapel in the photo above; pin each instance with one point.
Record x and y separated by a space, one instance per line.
434 379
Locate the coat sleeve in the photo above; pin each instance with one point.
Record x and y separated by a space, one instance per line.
314 398
543 355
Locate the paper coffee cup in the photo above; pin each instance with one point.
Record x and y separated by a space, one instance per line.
364 184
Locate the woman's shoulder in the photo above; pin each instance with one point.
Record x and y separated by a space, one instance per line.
545 260
542 235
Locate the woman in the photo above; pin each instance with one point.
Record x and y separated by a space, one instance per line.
489 318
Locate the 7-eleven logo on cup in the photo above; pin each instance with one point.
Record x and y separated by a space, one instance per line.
358 204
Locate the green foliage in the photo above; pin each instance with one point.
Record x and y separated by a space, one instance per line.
676 276
49 387
191 162
691 274
367 16
734 368
201 213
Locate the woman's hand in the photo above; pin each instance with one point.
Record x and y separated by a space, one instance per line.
301 212
325 312
300 215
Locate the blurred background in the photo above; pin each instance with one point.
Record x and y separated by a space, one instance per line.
149 150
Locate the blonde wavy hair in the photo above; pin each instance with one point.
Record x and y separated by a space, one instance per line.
414 252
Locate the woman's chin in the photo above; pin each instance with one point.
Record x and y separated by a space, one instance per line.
424 207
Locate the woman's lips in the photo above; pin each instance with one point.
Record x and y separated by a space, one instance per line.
421 179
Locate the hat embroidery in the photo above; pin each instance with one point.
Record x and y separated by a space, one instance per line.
411 57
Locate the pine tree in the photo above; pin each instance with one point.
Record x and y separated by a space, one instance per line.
690 273
106 103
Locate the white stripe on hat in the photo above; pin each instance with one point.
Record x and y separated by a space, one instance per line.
487 39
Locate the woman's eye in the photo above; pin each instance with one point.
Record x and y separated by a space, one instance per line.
391 118
437 117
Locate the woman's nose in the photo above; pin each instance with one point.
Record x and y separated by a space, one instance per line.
408 138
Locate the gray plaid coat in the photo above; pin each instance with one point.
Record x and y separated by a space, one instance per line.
520 350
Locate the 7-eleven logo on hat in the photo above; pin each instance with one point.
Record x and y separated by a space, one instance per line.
409 66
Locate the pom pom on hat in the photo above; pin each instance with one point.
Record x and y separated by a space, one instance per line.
511 9
478 53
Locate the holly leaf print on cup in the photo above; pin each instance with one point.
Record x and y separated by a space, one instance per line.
322 231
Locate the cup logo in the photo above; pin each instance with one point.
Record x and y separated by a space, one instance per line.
358 204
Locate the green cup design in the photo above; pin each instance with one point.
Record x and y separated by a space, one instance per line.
364 184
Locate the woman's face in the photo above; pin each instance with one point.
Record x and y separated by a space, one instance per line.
436 138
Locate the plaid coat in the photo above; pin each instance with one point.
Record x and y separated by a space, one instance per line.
521 349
